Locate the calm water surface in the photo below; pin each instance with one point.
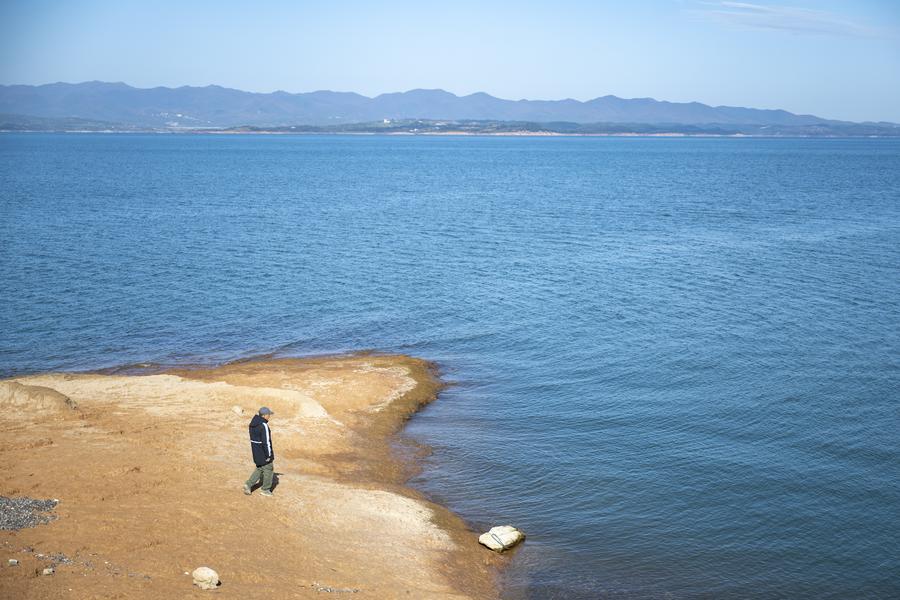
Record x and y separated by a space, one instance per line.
676 361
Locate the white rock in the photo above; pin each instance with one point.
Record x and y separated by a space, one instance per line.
501 538
237 410
13 562
205 578
48 571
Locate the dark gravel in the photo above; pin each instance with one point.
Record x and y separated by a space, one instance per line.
19 513
59 559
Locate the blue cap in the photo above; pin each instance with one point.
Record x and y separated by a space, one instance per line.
265 410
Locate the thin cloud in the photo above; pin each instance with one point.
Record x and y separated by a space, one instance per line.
786 18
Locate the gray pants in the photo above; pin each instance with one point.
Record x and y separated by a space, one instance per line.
265 472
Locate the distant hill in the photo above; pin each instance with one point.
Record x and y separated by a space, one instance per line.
32 123
216 107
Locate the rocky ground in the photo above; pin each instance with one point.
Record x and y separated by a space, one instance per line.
19 513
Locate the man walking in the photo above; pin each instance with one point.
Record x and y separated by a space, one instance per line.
263 456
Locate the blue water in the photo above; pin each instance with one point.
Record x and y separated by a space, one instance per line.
676 362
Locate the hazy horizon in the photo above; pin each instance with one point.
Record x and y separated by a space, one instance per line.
829 59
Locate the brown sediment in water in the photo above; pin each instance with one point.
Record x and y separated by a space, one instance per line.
148 470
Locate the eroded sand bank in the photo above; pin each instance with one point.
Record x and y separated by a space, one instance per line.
148 470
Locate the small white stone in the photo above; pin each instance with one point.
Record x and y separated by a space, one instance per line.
501 538
48 571
205 578
13 562
237 410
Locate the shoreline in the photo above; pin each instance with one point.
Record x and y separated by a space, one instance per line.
538 134
134 494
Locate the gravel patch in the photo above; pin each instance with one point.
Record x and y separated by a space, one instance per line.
19 513
59 559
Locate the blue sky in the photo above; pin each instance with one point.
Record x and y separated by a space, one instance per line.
837 59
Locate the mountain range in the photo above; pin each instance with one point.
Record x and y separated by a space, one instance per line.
215 107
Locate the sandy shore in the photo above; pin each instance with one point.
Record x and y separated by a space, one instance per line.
148 470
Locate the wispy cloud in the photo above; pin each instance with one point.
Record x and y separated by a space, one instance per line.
786 18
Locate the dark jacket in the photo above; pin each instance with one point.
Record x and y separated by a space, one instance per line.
261 441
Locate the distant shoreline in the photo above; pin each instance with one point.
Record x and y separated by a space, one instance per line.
447 134
449 127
